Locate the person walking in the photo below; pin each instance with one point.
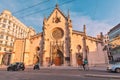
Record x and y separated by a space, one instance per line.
36 66
85 64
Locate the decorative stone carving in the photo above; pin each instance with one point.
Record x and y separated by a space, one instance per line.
56 19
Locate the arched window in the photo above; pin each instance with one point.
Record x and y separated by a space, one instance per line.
78 47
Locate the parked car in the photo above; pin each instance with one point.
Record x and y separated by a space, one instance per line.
114 67
16 66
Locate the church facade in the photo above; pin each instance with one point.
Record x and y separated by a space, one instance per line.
60 40
60 45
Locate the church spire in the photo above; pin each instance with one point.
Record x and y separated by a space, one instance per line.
68 14
84 29
56 6
45 19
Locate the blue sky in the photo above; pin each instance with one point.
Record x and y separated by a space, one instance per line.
98 15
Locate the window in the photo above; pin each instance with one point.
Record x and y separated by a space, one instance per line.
10 44
9 22
4 49
1 36
6 37
3 25
1 42
8 27
4 20
5 43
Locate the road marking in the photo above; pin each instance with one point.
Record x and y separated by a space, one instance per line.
102 76
54 74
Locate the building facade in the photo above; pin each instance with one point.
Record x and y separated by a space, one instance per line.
114 32
115 48
11 29
60 40
59 44
114 42
27 50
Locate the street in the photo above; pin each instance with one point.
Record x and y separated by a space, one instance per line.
54 74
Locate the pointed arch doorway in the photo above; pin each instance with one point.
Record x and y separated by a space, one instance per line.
57 57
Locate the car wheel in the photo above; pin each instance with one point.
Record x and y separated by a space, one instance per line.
15 69
23 69
34 68
8 69
117 70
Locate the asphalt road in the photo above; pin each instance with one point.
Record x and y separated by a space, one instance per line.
54 74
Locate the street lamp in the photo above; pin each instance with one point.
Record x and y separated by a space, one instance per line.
84 44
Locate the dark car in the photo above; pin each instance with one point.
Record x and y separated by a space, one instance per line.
16 66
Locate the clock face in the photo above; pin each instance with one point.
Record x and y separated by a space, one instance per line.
57 33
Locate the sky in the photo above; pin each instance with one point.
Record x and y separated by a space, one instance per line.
97 15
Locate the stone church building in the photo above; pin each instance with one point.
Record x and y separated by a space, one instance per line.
59 44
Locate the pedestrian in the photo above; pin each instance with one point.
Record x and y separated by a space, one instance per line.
85 62
36 66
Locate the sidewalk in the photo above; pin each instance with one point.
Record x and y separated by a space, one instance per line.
97 68
3 66
100 68
54 67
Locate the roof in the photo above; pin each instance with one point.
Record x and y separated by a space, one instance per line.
7 12
77 32
114 28
88 37
36 35
59 11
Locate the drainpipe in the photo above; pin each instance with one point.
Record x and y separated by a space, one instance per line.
24 49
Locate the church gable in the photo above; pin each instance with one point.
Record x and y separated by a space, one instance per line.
56 16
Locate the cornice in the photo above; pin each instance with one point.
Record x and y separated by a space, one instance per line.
87 37
37 35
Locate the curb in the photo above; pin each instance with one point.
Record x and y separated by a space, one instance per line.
60 68
102 76
55 67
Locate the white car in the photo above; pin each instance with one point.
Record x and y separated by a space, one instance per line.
114 67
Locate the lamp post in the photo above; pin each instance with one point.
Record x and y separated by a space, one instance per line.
84 44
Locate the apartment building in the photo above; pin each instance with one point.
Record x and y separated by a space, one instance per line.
10 30
114 32
114 36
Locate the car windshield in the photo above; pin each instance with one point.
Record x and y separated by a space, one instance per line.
114 62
